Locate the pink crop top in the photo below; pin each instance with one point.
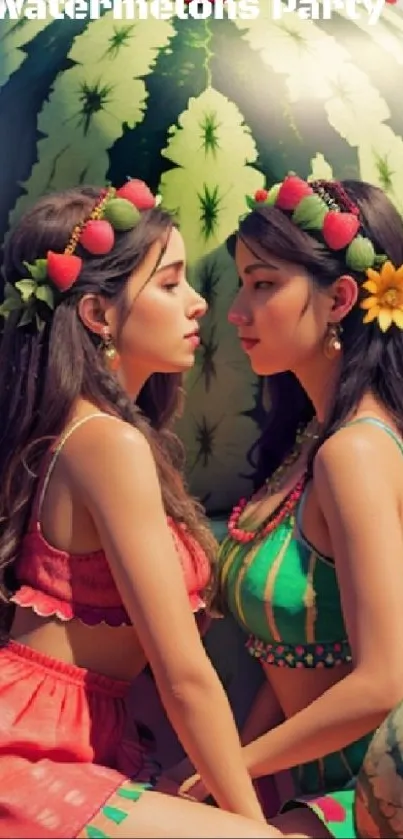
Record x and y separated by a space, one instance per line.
55 582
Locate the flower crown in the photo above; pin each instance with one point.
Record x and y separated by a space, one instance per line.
117 210
323 207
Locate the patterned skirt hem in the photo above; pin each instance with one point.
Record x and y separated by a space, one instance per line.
114 811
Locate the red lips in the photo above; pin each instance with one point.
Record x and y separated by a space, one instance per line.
248 344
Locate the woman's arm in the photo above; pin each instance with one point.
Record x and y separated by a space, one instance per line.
116 476
357 484
264 715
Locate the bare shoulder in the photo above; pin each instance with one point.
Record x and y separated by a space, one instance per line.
104 443
355 456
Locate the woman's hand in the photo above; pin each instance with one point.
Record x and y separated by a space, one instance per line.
188 782
194 789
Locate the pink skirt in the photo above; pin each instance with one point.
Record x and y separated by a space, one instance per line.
70 755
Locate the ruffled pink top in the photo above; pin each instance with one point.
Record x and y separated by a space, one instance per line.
55 582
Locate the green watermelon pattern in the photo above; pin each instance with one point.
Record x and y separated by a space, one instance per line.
205 111
14 36
379 792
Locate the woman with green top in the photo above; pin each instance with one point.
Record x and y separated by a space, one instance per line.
312 567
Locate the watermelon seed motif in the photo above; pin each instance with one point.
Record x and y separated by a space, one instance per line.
210 201
93 98
208 354
209 128
120 38
205 439
385 173
208 282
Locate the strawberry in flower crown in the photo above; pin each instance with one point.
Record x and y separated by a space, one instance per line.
325 210
322 207
117 210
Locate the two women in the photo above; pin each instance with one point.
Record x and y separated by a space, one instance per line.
104 555
102 549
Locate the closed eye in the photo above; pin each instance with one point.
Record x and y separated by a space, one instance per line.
264 285
258 285
170 286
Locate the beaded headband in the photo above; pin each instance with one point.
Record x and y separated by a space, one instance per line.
116 210
324 208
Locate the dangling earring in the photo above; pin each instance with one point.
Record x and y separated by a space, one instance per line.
110 352
332 345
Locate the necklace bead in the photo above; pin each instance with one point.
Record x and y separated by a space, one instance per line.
273 484
286 508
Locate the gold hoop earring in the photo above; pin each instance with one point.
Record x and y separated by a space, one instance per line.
110 352
332 344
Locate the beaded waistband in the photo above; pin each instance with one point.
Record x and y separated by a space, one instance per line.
326 654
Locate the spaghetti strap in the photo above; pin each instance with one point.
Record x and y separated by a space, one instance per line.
383 425
49 467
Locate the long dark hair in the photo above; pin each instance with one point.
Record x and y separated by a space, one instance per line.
371 361
42 374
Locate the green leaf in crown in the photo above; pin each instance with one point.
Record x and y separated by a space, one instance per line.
22 297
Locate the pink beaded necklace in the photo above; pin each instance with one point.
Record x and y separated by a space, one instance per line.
286 507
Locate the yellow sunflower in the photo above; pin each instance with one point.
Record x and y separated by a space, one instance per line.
386 300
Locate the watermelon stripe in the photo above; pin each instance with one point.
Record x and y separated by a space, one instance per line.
14 35
372 63
180 72
283 132
22 98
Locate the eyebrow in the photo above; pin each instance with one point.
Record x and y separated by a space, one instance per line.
254 266
178 263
